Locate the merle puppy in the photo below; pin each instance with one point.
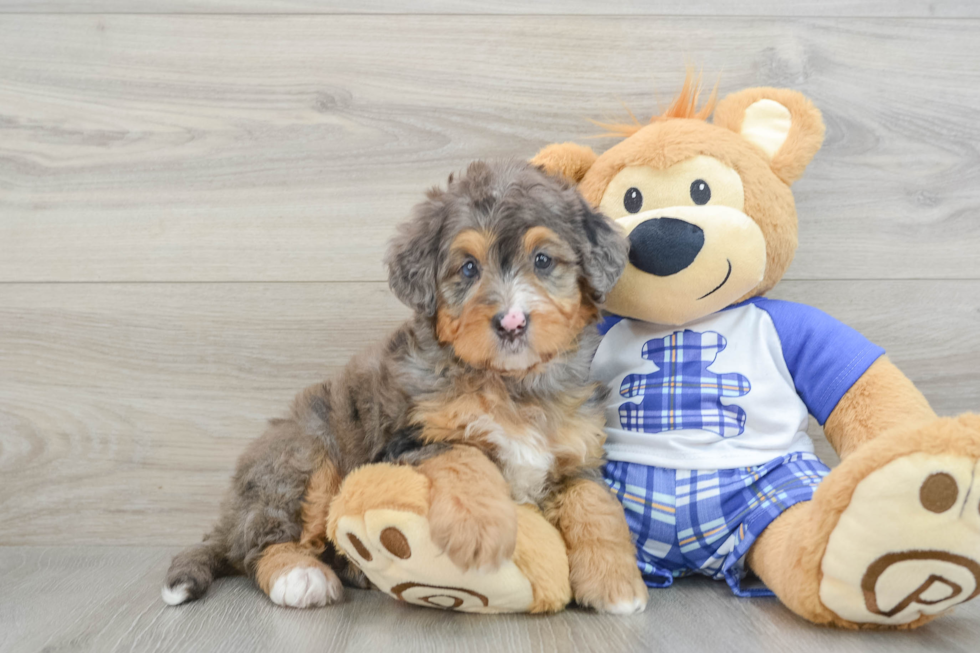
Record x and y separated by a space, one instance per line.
504 270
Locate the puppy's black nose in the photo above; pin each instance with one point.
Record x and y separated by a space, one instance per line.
510 324
665 246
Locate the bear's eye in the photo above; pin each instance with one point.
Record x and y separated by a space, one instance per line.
700 191
469 269
633 201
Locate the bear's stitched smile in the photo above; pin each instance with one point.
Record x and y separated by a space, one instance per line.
723 282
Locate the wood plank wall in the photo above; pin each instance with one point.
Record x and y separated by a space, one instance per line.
195 196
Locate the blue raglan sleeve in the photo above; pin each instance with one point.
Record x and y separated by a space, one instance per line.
607 322
825 357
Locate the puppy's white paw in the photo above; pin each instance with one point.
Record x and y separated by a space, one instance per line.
622 599
175 595
613 587
628 607
305 587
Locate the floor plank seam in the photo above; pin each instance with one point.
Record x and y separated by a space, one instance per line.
493 15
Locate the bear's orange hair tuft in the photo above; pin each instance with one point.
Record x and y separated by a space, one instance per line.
685 105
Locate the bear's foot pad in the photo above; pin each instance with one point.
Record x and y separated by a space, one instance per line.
908 544
394 550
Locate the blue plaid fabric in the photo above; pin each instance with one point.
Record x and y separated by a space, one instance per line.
688 521
682 393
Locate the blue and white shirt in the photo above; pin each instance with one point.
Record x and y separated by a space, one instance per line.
732 389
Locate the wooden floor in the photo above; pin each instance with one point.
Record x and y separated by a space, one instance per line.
195 196
106 600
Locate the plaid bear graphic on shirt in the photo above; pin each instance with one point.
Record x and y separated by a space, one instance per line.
683 393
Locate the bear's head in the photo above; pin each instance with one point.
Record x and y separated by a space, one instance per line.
707 206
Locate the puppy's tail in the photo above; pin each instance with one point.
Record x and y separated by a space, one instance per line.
193 570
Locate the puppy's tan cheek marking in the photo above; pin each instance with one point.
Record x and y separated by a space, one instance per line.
475 342
557 323
447 326
461 331
469 334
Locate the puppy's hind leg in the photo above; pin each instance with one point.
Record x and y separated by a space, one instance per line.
292 573
262 519
193 570
294 577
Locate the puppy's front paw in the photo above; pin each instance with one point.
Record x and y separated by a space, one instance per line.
387 534
607 583
475 532
306 587
628 599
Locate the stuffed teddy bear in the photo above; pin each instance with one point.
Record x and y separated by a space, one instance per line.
712 384
379 521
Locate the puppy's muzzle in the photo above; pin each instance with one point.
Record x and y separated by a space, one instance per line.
510 325
665 246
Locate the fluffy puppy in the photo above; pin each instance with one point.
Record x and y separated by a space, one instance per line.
504 270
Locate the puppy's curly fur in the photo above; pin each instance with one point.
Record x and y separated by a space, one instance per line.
489 381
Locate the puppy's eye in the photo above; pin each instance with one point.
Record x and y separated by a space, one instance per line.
700 191
543 262
633 201
469 270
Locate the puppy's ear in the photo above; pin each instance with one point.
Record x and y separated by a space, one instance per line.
604 252
413 255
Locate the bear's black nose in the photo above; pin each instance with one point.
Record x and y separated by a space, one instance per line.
665 246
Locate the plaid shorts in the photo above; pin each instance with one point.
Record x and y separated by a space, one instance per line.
704 521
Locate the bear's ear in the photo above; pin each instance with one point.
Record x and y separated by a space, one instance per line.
783 123
568 160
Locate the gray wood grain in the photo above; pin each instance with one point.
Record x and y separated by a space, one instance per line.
274 148
124 406
235 148
106 599
880 8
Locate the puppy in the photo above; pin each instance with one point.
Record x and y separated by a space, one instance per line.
504 270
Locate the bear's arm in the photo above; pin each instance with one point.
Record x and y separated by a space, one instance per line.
880 399
846 381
